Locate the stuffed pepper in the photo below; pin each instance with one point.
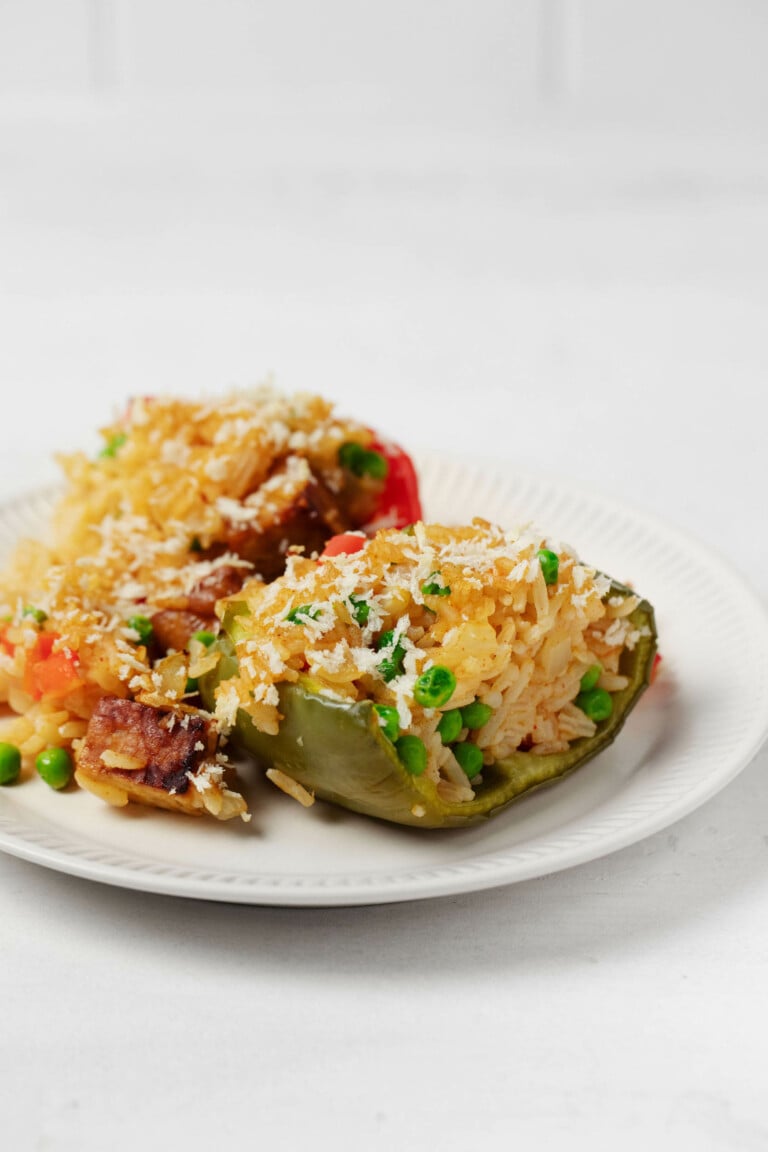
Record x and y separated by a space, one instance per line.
106 625
432 675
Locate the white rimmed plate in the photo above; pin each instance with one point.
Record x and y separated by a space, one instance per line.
700 724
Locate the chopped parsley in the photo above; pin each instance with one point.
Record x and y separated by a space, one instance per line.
302 614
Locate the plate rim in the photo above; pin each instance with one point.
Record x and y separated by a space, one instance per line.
60 852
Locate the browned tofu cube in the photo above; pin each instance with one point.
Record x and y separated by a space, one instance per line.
163 757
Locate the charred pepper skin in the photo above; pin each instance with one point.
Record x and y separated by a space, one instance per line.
339 752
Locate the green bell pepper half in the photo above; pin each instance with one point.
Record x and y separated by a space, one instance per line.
339 751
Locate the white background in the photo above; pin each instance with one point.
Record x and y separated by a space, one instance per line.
536 230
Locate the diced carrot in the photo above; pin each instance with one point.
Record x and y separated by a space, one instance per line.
55 676
49 673
40 650
44 645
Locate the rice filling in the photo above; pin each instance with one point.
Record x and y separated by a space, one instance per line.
471 605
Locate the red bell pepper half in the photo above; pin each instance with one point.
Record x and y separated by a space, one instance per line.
399 504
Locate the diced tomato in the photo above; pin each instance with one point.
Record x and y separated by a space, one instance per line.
344 543
399 505
49 673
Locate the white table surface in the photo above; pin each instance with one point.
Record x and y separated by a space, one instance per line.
611 298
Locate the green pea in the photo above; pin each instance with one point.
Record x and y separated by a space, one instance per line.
597 704
142 626
475 715
351 456
204 637
433 587
36 613
306 611
450 725
361 610
590 678
362 461
550 565
391 725
375 465
54 765
469 757
113 446
412 753
434 687
10 763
